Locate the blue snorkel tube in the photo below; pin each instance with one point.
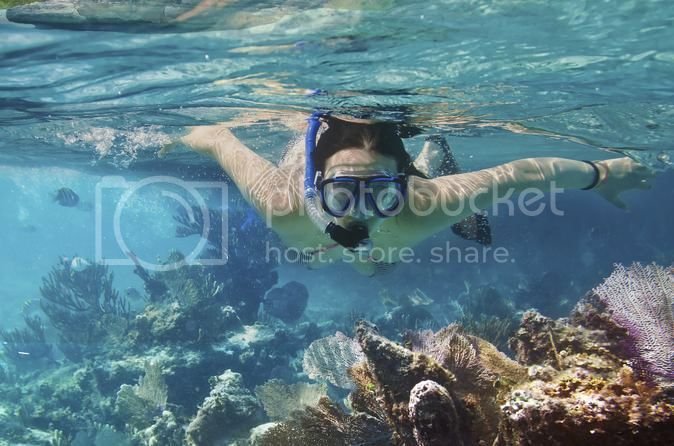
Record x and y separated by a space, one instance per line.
357 238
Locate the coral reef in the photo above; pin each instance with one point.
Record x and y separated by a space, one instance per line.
196 322
138 405
453 350
396 371
166 431
493 329
601 375
330 358
230 408
586 377
60 439
574 383
84 307
64 399
286 303
488 314
248 272
280 399
326 425
26 345
587 403
404 311
434 415
639 299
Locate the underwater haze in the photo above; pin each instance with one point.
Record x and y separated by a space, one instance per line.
146 303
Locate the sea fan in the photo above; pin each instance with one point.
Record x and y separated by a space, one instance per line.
640 300
330 358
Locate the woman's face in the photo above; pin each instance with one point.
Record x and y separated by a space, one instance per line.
358 162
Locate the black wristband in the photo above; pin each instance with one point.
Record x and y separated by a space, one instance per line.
597 175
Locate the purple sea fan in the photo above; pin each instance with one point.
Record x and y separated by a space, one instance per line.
640 300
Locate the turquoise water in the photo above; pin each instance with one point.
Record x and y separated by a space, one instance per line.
502 80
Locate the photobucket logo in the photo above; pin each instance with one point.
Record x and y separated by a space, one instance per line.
116 196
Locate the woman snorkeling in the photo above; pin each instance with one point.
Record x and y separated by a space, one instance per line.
354 194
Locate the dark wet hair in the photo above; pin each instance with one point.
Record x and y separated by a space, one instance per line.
380 137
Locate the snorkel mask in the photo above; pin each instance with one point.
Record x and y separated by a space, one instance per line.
362 194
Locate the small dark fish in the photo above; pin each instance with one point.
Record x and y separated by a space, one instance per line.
287 302
66 197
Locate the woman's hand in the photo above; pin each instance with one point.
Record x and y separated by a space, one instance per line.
619 175
206 138
203 139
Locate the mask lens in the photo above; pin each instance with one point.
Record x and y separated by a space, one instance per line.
387 195
339 197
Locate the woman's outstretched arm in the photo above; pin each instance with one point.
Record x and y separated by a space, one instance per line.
445 200
265 186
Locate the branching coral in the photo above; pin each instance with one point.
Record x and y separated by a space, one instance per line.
190 309
87 291
24 344
198 294
83 306
246 254
192 223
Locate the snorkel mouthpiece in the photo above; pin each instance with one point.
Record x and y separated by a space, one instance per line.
355 238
